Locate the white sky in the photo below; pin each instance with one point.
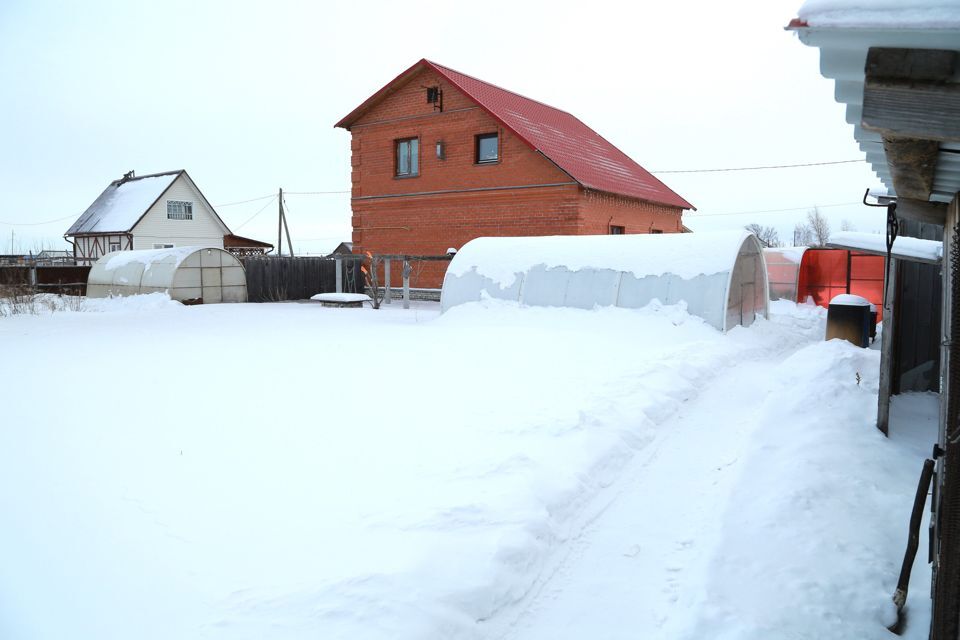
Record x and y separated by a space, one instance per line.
244 96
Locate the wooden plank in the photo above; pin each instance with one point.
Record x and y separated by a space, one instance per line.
911 109
912 164
921 211
930 65
886 353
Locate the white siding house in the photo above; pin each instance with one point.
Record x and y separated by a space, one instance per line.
155 211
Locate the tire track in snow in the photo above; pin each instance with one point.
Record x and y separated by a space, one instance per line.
639 568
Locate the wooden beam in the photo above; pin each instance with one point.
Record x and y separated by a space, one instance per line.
926 110
930 65
931 212
907 93
912 164
887 351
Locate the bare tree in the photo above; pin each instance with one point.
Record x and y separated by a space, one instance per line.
846 225
802 235
767 236
372 278
819 227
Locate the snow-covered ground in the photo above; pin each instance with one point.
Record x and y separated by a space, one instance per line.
293 471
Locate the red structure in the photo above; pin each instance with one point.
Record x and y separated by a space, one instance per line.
798 274
440 158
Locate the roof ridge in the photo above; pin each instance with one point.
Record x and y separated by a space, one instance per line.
149 175
496 86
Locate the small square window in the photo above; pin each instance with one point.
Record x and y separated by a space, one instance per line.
656 230
488 148
408 157
114 246
617 231
179 210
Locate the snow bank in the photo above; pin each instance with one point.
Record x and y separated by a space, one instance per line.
816 530
882 14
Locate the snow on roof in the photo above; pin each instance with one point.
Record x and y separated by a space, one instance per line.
790 254
122 204
904 248
686 255
566 141
882 14
148 257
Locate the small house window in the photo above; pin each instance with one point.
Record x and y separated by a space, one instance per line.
408 157
656 230
159 245
488 148
179 210
114 246
617 231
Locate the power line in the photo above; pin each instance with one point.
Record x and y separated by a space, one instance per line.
771 166
37 224
256 214
313 193
744 213
230 204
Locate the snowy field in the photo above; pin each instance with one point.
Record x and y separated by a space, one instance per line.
294 471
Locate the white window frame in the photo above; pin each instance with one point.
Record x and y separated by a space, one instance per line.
162 245
179 210
114 246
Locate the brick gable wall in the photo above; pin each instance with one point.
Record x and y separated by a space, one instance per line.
454 200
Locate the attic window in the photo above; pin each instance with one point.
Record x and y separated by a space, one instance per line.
179 210
487 148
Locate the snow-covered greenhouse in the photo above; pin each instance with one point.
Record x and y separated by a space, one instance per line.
193 275
720 276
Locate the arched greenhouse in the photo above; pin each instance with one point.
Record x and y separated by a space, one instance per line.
721 275
193 275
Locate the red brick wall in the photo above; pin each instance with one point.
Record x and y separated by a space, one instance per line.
406 215
598 211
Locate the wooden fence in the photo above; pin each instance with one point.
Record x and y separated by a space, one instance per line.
272 279
69 279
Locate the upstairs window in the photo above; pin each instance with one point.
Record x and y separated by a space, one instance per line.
488 148
617 231
179 210
408 158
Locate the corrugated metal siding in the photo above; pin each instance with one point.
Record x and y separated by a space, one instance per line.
203 230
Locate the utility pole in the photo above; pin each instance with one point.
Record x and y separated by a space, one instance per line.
281 226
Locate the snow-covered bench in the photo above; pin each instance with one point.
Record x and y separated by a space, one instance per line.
342 299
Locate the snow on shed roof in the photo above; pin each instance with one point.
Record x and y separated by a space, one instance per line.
904 248
879 14
566 141
123 203
686 255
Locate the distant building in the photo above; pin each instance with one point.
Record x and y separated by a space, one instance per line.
155 211
440 158
343 248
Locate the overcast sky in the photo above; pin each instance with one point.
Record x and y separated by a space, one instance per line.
244 96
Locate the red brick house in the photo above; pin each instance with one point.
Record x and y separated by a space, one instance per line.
440 158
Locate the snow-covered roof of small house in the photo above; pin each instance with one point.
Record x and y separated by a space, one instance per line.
575 148
125 201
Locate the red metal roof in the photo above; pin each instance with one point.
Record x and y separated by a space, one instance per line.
563 139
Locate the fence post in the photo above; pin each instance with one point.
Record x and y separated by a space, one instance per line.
406 284
339 275
387 297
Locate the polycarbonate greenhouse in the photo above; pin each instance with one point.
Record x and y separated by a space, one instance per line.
720 276
193 275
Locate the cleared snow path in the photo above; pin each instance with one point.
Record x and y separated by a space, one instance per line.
641 567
